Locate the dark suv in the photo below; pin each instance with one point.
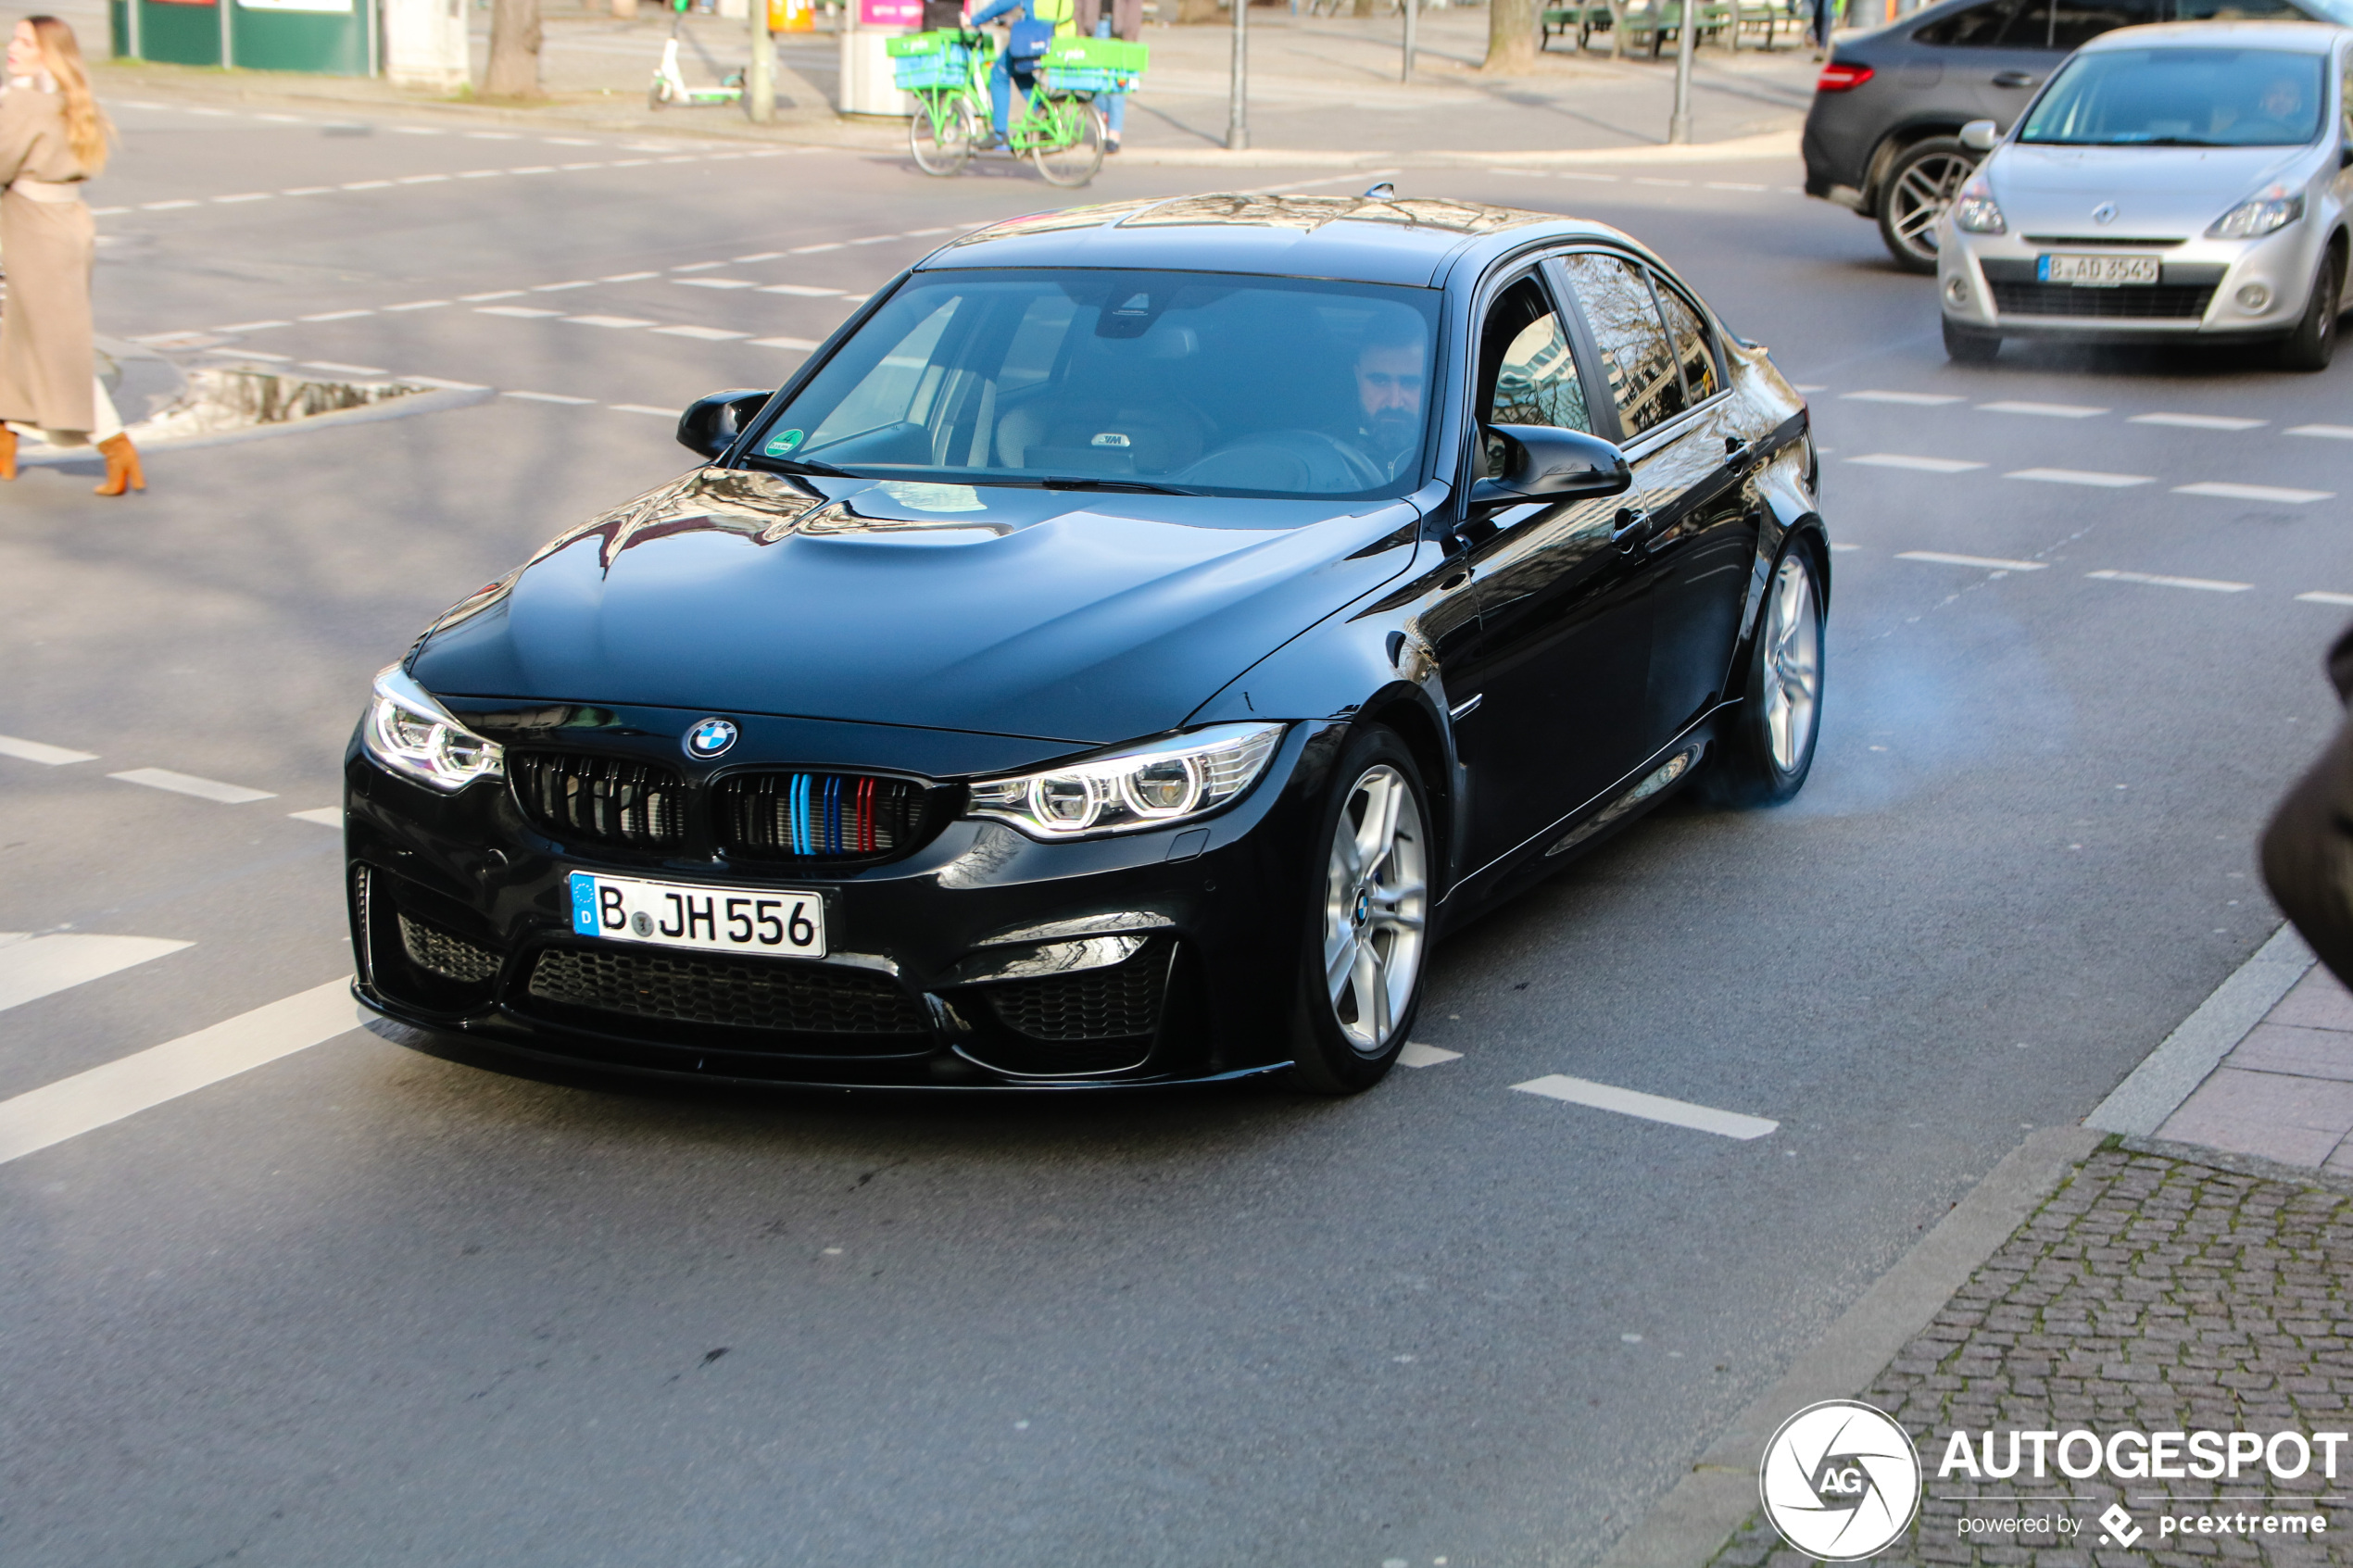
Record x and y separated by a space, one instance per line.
1882 138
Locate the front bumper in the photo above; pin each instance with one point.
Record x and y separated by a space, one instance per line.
1988 283
983 959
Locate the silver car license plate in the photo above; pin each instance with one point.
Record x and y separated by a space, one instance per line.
715 920
2098 271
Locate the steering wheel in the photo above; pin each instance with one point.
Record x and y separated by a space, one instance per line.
1305 459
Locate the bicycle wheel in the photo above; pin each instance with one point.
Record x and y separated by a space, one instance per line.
940 133
1070 145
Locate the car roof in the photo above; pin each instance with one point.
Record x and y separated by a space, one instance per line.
2317 36
1357 239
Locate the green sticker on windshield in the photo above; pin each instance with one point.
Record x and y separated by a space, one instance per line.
781 444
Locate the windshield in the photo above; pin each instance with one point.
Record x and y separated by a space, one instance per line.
1199 383
2182 98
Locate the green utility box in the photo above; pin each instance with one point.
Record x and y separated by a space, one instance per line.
322 37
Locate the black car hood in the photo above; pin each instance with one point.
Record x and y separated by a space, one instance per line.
1084 617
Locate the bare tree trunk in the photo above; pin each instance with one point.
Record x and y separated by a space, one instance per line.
1511 36
514 50
1363 9
1616 29
1191 13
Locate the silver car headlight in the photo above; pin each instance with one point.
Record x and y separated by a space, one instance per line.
1143 787
1976 212
2258 216
408 732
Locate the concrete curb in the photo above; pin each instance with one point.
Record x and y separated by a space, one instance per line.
444 396
2240 1164
2140 1105
1775 144
1691 1524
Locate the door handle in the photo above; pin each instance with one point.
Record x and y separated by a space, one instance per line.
2016 79
1633 527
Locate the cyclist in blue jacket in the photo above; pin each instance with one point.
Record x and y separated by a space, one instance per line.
1036 22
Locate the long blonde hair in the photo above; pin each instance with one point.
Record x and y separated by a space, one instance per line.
86 128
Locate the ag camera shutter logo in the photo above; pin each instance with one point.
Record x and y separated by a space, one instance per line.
1841 1481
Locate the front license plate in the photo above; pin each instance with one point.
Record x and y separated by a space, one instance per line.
2098 271
715 919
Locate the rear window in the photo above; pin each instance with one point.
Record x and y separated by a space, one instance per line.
2182 98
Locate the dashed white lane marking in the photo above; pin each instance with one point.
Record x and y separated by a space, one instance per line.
39 751
494 293
547 397
2047 411
1732 185
479 173
1988 563
617 323
524 311
2322 598
715 282
2207 584
760 255
698 266
1914 399
1903 460
1416 1054
340 368
1653 180
2255 492
367 185
1803 386
629 276
643 409
49 1115
188 784
421 179
559 288
805 290
703 334
32 967
251 326
245 197
335 316
309 191
1843 549
2081 476
1651 1107
165 206
2195 421
801 344
417 305
811 250
2326 432
325 816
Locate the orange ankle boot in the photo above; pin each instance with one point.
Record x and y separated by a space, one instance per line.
123 472
8 453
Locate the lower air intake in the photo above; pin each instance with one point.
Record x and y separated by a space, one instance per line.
735 993
452 958
1120 1002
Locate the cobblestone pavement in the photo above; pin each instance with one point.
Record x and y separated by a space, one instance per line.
2148 1293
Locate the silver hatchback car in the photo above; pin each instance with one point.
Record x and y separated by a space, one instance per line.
2187 180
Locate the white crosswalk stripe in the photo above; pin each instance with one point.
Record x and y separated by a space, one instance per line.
33 967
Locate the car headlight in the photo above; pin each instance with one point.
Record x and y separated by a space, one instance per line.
2268 213
1144 786
1976 212
410 734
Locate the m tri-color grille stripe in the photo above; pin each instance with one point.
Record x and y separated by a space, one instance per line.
817 816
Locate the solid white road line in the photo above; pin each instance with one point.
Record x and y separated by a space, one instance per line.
33 967
35 751
705 335
2207 584
1916 399
1416 1054
1903 461
2048 410
188 784
2255 492
2081 476
2325 599
70 1107
2327 432
2197 422
1651 1107
546 397
1988 563
325 816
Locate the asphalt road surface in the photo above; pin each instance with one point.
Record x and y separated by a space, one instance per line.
361 1306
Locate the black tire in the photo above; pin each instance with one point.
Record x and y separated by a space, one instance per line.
1920 184
1754 766
1336 1050
1966 346
2313 344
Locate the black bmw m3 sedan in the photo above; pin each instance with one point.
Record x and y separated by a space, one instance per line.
1113 660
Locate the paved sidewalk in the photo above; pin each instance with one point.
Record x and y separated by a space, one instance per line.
2284 1093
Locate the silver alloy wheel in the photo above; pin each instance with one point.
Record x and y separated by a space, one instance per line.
1920 196
1374 897
1793 663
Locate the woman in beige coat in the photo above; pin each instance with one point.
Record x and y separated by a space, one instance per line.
52 138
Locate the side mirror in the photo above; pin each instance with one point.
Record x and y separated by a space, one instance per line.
1980 135
710 424
1544 464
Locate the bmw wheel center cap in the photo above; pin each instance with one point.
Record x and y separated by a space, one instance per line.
710 737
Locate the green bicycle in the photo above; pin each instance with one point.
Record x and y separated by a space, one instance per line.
1056 124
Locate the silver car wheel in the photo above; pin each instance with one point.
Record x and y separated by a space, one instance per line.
1920 197
1793 663
1375 891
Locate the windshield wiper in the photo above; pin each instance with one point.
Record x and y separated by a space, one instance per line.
803 465
1140 487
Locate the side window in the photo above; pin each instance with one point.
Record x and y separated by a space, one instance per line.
1636 355
2235 11
2076 23
1527 375
1694 350
1977 27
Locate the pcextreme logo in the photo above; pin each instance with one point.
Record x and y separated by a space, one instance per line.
1840 1481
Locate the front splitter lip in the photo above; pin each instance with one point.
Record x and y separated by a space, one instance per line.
464 1045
